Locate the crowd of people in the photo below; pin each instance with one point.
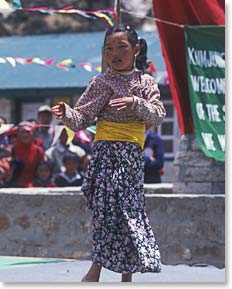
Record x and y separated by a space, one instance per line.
36 153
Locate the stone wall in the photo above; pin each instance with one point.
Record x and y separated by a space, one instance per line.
194 173
55 223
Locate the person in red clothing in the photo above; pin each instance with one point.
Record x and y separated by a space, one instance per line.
26 150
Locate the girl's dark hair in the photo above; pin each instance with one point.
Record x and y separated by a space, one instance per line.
141 59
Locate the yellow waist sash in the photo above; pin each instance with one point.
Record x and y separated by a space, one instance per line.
118 131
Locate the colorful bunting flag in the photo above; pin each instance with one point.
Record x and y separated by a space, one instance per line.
65 64
38 61
2 60
98 68
16 4
20 60
108 15
11 60
29 60
49 61
87 66
62 67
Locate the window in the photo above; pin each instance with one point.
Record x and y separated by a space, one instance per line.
169 130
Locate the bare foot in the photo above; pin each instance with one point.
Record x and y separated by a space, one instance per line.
93 275
85 279
90 278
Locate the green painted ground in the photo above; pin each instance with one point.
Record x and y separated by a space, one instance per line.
9 262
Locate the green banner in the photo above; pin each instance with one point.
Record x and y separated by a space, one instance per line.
205 52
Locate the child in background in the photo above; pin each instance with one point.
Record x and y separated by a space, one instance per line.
4 140
71 176
43 176
27 151
124 100
54 155
45 131
4 171
154 157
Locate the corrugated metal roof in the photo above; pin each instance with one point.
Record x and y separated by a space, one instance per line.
80 47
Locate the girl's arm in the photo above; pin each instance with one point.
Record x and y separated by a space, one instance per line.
149 108
87 108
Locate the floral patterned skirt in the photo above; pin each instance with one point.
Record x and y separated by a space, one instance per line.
123 240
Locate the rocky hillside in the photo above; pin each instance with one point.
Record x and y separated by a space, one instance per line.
29 23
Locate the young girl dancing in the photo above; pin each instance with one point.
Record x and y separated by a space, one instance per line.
123 101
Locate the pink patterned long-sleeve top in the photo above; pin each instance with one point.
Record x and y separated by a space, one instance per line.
94 102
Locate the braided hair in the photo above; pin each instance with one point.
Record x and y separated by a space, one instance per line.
141 59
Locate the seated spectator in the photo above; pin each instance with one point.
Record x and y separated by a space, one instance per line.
12 176
45 131
4 140
84 164
37 140
154 158
43 176
2 177
4 171
26 150
54 155
71 176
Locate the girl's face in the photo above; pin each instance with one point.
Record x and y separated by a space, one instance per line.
119 52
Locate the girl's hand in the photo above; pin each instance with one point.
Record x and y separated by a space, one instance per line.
122 103
59 110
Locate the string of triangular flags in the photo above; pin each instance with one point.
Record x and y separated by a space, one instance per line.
106 15
65 64
68 64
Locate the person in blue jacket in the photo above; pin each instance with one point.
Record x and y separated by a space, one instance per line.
154 158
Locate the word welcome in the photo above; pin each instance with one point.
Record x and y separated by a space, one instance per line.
208 85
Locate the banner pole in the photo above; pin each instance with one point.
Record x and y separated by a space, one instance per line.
117 5
117 8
